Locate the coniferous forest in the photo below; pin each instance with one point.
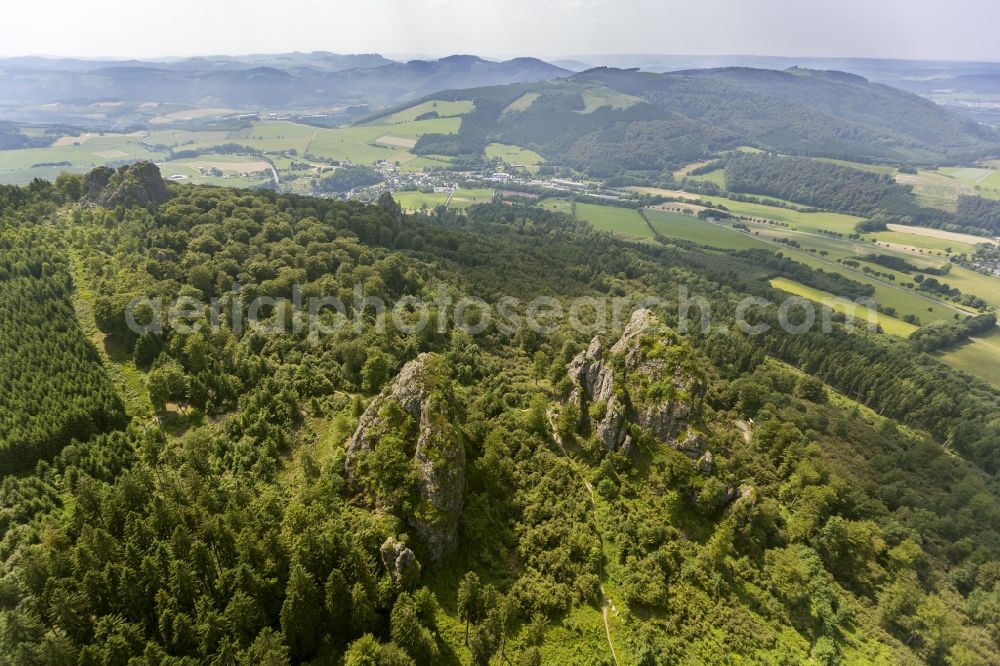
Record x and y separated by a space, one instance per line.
234 495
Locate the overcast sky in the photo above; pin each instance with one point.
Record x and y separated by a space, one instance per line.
928 29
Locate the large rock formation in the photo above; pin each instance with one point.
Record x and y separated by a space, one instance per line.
400 563
414 418
138 184
647 377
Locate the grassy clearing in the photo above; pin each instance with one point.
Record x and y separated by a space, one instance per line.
980 357
514 155
623 221
121 369
558 205
939 189
521 103
690 228
890 325
718 177
597 98
444 109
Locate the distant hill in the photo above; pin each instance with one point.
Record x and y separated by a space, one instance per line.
265 82
606 120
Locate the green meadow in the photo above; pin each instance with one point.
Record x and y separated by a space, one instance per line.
623 221
980 357
390 139
890 325
444 109
513 155
702 232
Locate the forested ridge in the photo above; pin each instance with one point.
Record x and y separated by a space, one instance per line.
259 521
654 123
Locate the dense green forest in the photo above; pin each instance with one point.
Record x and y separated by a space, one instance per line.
978 212
392 497
811 182
52 388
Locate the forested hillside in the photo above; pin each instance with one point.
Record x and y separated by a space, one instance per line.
631 495
607 121
52 388
811 182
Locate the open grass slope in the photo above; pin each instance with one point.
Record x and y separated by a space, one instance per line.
702 232
980 357
890 325
278 141
622 221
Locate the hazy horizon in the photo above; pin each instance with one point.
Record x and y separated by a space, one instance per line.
960 31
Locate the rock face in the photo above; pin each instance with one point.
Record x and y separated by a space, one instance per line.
647 377
401 563
431 443
138 184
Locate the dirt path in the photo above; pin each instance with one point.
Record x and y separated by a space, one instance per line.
606 604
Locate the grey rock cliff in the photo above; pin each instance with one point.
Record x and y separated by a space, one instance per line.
438 452
647 378
138 184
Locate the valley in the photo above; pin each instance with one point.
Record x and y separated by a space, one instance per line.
338 359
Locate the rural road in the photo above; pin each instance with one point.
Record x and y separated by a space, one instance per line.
605 601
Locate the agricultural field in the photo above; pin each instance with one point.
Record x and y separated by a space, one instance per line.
838 222
871 168
280 141
980 357
462 198
941 188
414 201
921 243
514 155
231 170
888 294
77 154
623 221
890 325
702 232
558 205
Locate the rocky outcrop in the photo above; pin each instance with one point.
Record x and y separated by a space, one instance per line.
138 184
401 564
429 438
647 377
